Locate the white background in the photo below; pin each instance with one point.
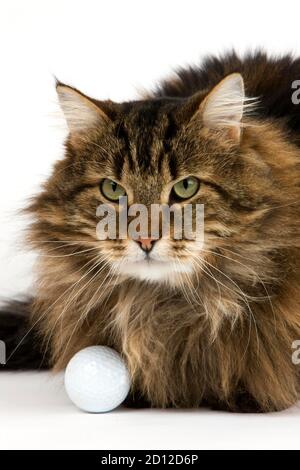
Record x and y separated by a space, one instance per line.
109 49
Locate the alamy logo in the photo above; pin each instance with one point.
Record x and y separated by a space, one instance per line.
158 220
296 353
2 352
296 93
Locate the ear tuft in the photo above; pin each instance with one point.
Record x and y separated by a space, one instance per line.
225 105
80 112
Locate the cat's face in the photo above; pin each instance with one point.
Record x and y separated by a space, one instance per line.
157 152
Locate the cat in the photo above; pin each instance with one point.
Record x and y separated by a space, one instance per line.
210 326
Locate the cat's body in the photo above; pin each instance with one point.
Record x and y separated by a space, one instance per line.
219 328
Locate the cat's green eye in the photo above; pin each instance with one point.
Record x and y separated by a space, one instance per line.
112 190
186 188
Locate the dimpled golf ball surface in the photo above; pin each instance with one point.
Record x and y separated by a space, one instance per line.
97 379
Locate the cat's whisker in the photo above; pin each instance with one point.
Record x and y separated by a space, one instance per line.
91 304
197 300
196 261
247 268
41 318
244 296
116 275
49 335
73 286
206 264
76 253
82 316
203 268
71 242
182 286
101 259
268 297
238 254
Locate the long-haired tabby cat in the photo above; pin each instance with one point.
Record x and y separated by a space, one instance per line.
196 326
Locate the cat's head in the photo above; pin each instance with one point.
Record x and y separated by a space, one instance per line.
194 150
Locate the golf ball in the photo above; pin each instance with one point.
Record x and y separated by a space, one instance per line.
97 379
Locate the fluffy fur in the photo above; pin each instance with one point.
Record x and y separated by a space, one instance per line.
196 326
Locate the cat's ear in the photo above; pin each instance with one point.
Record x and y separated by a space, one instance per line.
223 107
81 112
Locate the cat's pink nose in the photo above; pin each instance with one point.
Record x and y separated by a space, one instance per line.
146 243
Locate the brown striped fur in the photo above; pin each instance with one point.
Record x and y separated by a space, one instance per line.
222 335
